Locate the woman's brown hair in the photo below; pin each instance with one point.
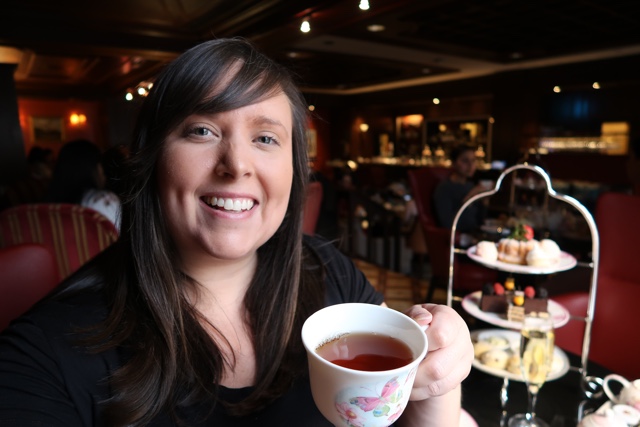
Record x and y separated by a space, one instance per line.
170 359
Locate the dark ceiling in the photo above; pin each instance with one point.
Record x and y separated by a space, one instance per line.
97 48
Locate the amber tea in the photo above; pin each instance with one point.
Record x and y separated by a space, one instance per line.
366 352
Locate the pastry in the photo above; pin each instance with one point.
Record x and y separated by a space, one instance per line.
513 364
487 251
551 248
481 347
498 298
496 358
538 257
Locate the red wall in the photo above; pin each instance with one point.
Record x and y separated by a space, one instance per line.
94 129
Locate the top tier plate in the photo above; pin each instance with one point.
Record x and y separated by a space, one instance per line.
566 262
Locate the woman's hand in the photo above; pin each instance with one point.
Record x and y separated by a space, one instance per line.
450 354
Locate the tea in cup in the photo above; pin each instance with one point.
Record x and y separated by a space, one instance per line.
629 394
363 359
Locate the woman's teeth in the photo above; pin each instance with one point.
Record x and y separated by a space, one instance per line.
230 204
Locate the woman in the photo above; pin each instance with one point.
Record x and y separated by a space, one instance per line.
453 192
78 177
194 315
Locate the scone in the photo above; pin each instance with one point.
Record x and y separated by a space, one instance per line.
495 358
481 347
513 364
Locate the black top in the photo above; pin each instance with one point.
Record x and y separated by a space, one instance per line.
448 198
46 380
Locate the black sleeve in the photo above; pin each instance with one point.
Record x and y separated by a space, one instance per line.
46 378
32 387
343 281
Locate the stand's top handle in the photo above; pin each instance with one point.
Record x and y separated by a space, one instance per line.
526 166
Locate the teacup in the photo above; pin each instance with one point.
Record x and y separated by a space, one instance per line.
628 414
605 418
630 393
348 396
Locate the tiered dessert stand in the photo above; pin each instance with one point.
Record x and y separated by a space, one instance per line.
560 315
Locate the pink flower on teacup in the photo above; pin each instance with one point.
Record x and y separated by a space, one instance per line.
349 415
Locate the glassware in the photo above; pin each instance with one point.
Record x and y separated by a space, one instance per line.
536 357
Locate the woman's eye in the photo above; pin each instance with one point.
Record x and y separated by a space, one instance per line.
199 131
264 139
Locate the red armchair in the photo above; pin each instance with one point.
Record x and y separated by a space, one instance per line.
312 206
615 337
27 273
72 233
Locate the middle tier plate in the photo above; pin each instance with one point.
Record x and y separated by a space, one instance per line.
566 262
471 304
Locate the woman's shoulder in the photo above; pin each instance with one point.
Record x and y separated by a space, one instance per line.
63 313
321 247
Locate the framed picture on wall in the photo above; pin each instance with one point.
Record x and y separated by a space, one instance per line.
46 129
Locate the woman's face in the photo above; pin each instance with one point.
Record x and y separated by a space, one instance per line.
225 179
465 164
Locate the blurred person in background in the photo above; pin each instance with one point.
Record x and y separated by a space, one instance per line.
78 177
451 193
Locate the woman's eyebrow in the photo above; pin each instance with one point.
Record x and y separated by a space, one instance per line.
260 120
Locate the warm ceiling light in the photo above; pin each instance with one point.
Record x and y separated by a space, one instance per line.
311 107
129 96
364 127
305 27
557 89
376 28
595 85
364 4
142 91
436 101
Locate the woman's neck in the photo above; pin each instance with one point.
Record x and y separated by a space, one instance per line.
221 282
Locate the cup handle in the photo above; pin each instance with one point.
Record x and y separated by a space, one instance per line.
613 377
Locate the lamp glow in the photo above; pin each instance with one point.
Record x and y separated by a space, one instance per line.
305 27
364 4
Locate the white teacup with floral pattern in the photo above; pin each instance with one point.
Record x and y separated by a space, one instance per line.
355 398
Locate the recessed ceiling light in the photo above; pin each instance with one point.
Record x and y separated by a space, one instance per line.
376 28
557 89
305 27
595 85
516 55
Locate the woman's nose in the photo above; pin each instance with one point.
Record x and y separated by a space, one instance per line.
234 160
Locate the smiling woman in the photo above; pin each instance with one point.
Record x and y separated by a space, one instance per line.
194 316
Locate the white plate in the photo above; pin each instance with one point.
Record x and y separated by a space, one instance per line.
471 304
566 262
558 369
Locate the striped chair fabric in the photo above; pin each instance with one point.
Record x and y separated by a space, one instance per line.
73 233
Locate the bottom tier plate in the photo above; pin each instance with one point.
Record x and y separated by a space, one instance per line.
558 369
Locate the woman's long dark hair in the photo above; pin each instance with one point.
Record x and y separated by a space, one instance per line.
173 360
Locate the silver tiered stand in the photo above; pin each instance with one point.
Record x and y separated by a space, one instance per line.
593 265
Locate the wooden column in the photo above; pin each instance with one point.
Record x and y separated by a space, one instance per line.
13 163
